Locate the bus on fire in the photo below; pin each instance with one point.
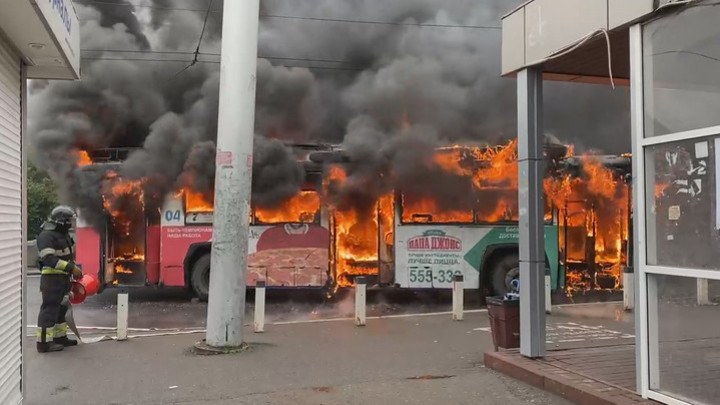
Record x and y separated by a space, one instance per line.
407 241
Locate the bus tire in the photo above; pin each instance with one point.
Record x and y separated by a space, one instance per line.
200 277
504 270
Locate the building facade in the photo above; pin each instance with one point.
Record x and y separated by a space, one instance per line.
668 53
39 39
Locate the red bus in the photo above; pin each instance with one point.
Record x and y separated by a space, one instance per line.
401 241
288 244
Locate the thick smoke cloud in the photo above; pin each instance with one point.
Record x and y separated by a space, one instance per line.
277 176
117 13
379 163
389 93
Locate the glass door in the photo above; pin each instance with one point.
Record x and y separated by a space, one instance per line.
675 79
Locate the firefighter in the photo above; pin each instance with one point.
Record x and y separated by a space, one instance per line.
57 258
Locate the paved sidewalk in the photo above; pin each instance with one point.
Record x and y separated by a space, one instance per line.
588 376
417 360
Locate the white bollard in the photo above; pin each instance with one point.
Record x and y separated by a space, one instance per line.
548 292
457 298
259 320
360 298
628 288
703 295
122 316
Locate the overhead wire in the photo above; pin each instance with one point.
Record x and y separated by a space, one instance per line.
112 4
209 10
197 49
307 18
407 24
359 69
577 44
699 54
261 56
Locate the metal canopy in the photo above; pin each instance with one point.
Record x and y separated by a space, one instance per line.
567 39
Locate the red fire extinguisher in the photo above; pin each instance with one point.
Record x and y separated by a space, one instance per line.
84 287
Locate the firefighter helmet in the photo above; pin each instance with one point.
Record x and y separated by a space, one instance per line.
62 215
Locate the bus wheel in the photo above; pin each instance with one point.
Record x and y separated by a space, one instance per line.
200 277
504 272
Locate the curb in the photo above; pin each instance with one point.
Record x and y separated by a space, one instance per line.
564 383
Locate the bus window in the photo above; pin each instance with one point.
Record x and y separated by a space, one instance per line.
497 205
198 202
304 207
416 209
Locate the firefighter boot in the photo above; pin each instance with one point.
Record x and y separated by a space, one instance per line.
60 335
43 346
65 341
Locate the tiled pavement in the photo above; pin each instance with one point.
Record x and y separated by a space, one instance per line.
588 376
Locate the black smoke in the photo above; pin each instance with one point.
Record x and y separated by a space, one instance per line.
389 93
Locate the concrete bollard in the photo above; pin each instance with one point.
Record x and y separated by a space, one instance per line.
360 300
457 298
628 288
122 316
548 292
703 294
259 320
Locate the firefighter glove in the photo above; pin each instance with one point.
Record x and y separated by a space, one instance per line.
75 270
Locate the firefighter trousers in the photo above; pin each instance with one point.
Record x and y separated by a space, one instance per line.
51 320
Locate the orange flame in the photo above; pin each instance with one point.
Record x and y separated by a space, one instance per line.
83 158
303 207
592 206
594 215
494 174
356 238
425 210
121 269
124 201
660 189
594 203
120 191
196 202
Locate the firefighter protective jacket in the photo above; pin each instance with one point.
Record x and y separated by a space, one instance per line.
56 249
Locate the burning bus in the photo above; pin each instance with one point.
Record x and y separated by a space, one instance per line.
288 243
404 238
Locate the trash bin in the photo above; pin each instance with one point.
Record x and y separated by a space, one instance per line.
504 322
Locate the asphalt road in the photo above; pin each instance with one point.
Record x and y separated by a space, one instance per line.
311 353
174 308
408 360
156 310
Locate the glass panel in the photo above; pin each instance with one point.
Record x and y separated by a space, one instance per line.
682 214
681 59
686 362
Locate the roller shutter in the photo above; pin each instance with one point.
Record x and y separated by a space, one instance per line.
10 227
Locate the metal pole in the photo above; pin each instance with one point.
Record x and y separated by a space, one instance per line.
458 295
259 320
122 316
628 288
531 224
360 298
233 175
548 291
638 218
703 295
